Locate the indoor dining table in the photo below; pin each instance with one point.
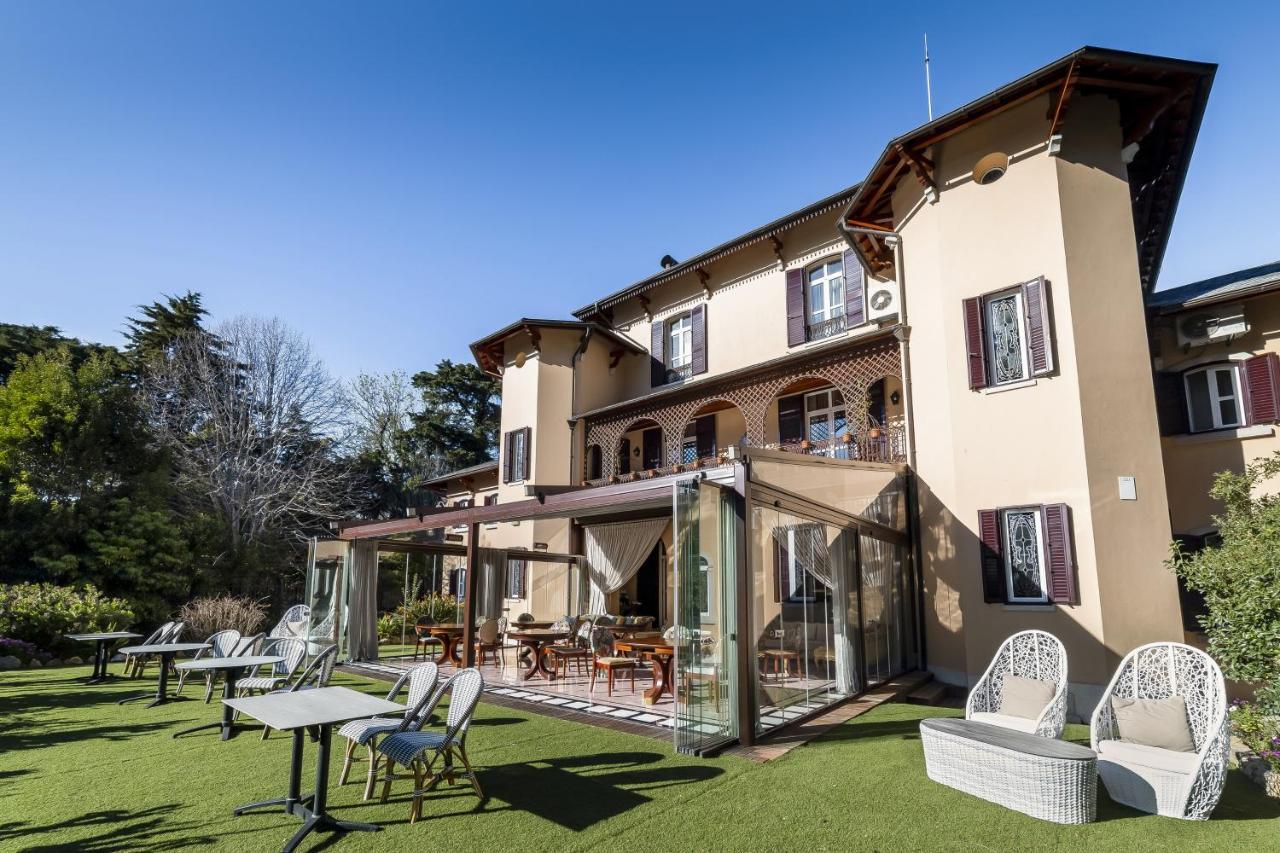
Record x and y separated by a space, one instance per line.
231 668
660 655
451 637
322 708
102 651
536 640
166 652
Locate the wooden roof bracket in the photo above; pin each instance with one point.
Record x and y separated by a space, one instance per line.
1060 109
535 336
1147 122
922 167
777 251
704 278
615 356
644 306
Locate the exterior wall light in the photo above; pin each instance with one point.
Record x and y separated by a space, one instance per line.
991 168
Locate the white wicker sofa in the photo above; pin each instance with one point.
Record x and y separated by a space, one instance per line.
1154 779
1035 655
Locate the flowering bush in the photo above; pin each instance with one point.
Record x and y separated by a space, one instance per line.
22 650
1256 730
41 613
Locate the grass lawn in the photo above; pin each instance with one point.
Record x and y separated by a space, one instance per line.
78 772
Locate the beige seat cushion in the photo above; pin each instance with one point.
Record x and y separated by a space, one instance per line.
1019 724
1025 697
616 661
1154 722
1141 755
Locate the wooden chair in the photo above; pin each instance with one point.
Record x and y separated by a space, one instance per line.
424 641
576 651
606 661
489 641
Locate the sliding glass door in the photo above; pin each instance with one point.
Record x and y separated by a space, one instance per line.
706 567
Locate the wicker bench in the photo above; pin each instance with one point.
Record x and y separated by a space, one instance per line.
1048 779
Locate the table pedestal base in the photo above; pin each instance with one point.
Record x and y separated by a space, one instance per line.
161 696
228 723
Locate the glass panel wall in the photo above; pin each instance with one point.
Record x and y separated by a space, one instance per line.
325 595
886 610
805 615
706 539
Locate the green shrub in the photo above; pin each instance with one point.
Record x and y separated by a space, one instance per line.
442 608
205 616
42 613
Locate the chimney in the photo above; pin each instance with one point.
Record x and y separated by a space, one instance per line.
668 262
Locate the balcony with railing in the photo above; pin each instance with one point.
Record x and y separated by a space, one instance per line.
817 331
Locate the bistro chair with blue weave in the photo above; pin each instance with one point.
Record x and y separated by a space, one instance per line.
422 680
418 750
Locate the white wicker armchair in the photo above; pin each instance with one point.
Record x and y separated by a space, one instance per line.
1160 781
1027 654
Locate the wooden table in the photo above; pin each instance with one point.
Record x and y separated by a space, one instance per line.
450 636
102 652
660 656
536 640
166 652
533 624
231 669
780 660
323 707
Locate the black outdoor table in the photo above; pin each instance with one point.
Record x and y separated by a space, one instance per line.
231 669
102 652
166 651
323 707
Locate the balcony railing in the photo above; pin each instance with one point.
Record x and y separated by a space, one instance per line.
676 374
825 329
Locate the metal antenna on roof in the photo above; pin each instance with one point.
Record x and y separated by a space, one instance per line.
928 86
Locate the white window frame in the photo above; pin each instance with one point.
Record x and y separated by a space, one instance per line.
989 340
1215 399
680 341
830 284
519 450
1007 555
830 411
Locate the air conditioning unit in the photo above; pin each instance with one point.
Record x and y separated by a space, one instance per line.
1202 327
883 299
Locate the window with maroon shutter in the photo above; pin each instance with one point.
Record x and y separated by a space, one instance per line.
791 419
781 566
516 572
1171 403
515 455
506 457
975 343
1262 378
1059 556
526 452
698 358
1035 302
855 291
657 364
992 563
795 308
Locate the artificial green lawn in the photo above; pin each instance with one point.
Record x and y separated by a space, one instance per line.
78 772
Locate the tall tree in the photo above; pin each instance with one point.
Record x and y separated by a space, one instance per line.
391 460
163 324
460 416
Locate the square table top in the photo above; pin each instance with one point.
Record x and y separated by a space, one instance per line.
102 635
319 707
162 648
230 663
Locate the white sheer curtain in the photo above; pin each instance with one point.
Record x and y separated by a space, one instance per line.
362 612
615 553
491 583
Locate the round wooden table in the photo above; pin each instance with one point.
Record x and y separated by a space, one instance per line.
533 624
660 656
536 640
780 661
450 636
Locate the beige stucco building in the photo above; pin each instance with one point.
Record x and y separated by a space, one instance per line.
926 401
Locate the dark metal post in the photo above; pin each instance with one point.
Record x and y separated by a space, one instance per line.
742 619
472 584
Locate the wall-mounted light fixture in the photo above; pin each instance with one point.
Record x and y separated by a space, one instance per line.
895 398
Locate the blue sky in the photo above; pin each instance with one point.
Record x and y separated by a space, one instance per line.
398 179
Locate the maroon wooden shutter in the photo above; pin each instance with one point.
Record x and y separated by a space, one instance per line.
855 291
526 452
698 338
975 348
657 362
795 308
705 432
1035 303
1171 404
791 419
1061 571
506 457
1262 383
993 589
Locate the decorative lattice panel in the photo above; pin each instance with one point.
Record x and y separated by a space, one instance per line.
853 372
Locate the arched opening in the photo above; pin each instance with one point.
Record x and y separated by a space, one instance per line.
810 415
640 448
711 431
884 402
593 467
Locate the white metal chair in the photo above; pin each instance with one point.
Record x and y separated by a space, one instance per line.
422 680
221 644
1037 655
316 675
298 613
292 650
169 632
420 750
1162 781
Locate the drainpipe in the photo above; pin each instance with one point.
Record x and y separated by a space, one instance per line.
902 333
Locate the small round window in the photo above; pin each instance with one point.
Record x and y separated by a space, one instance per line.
991 168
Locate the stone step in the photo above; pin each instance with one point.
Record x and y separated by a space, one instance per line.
930 693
